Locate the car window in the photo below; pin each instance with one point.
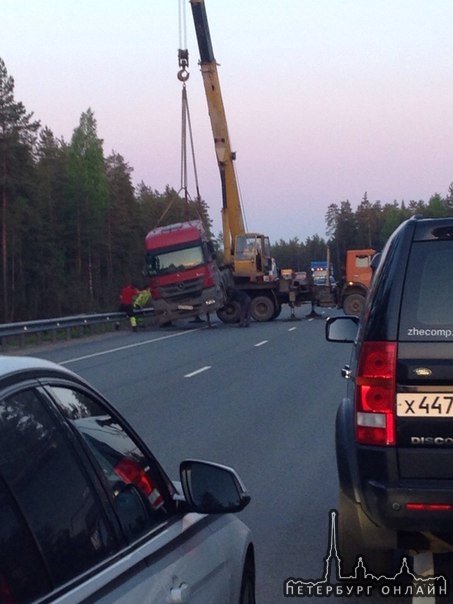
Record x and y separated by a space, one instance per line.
131 477
428 292
53 493
382 307
23 576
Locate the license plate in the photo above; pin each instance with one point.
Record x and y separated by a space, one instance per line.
424 404
185 307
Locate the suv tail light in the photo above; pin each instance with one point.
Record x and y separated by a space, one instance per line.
375 394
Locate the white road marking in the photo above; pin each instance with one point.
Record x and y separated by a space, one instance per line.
111 350
188 375
159 339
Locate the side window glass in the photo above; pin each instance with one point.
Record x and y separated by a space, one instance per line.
382 304
52 491
132 479
23 576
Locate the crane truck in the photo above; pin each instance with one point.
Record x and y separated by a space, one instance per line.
248 264
247 254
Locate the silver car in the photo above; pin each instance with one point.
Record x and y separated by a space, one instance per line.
89 515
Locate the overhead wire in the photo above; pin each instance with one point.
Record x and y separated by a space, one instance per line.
182 24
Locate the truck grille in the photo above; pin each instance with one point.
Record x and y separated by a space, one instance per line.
180 291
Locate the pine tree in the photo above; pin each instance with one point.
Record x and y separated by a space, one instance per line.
87 208
50 244
17 139
125 235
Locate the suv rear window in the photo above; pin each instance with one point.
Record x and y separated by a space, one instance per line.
426 311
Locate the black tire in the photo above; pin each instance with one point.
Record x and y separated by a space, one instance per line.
248 584
262 308
359 537
353 304
278 310
230 313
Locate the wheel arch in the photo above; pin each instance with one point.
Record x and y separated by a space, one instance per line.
347 468
248 574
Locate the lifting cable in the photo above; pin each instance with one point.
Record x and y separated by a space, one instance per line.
186 125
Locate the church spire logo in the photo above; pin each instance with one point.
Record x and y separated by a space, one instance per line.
363 582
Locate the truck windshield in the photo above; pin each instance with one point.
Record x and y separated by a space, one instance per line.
163 262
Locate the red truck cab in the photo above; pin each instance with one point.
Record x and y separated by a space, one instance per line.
184 278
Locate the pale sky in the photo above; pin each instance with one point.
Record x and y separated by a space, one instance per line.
325 99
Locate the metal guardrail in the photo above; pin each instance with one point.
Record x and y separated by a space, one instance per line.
37 331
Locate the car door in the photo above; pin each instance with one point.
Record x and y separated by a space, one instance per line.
168 555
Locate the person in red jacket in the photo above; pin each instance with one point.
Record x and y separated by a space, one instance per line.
127 298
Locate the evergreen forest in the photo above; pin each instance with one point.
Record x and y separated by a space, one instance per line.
72 224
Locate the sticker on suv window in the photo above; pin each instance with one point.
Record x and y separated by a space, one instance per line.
428 333
425 404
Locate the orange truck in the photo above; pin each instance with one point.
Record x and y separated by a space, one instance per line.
357 279
350 292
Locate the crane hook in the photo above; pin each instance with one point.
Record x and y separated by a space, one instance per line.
183 75
183 60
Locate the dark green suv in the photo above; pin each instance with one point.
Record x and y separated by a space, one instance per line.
394 427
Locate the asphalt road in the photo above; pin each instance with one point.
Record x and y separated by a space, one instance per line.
262 400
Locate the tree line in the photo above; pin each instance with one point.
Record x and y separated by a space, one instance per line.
72 224
369 226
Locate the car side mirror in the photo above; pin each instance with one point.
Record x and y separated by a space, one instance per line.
342 329
211 488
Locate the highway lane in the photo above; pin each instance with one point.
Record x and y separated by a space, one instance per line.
262 400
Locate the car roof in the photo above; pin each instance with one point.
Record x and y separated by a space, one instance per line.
31 367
